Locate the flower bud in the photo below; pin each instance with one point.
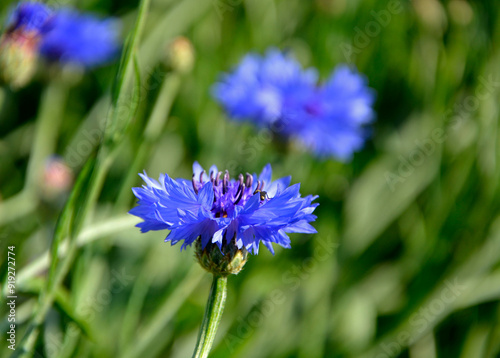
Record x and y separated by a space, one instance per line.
18 58
224 261
181 55
57 178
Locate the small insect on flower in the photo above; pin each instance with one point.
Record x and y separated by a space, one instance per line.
224 217
262 193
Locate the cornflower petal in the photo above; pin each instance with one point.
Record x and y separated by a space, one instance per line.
274 91
215 209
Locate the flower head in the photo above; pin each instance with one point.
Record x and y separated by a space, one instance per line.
261 88
274 91
70 37
28 16
331 122
232 214
57 178
181 55
19 45
65 36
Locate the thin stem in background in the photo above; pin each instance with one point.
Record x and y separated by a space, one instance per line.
154 128
47 125
144 343
46 130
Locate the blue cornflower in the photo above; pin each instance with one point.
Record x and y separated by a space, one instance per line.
63 35
28 16
224 212
331 122
274 91
261 88
79 39
20 42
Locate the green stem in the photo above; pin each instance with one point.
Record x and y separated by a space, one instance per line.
163 104
17 206
46 130
124 196
47 125
58 271
154 128
104 162
213 315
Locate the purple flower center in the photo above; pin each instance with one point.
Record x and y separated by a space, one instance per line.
229 193
313 108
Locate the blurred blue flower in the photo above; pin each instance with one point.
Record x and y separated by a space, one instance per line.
65 35
20 42
331 122
28 16
79 39
275 92
225 211
262 88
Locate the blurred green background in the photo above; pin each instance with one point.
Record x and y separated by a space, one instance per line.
406 259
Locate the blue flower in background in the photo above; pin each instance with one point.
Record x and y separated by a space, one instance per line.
275 92
64 35
79 39
262 88
332 121
28 16
224 211
20 43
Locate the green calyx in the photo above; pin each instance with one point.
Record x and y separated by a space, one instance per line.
225 261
